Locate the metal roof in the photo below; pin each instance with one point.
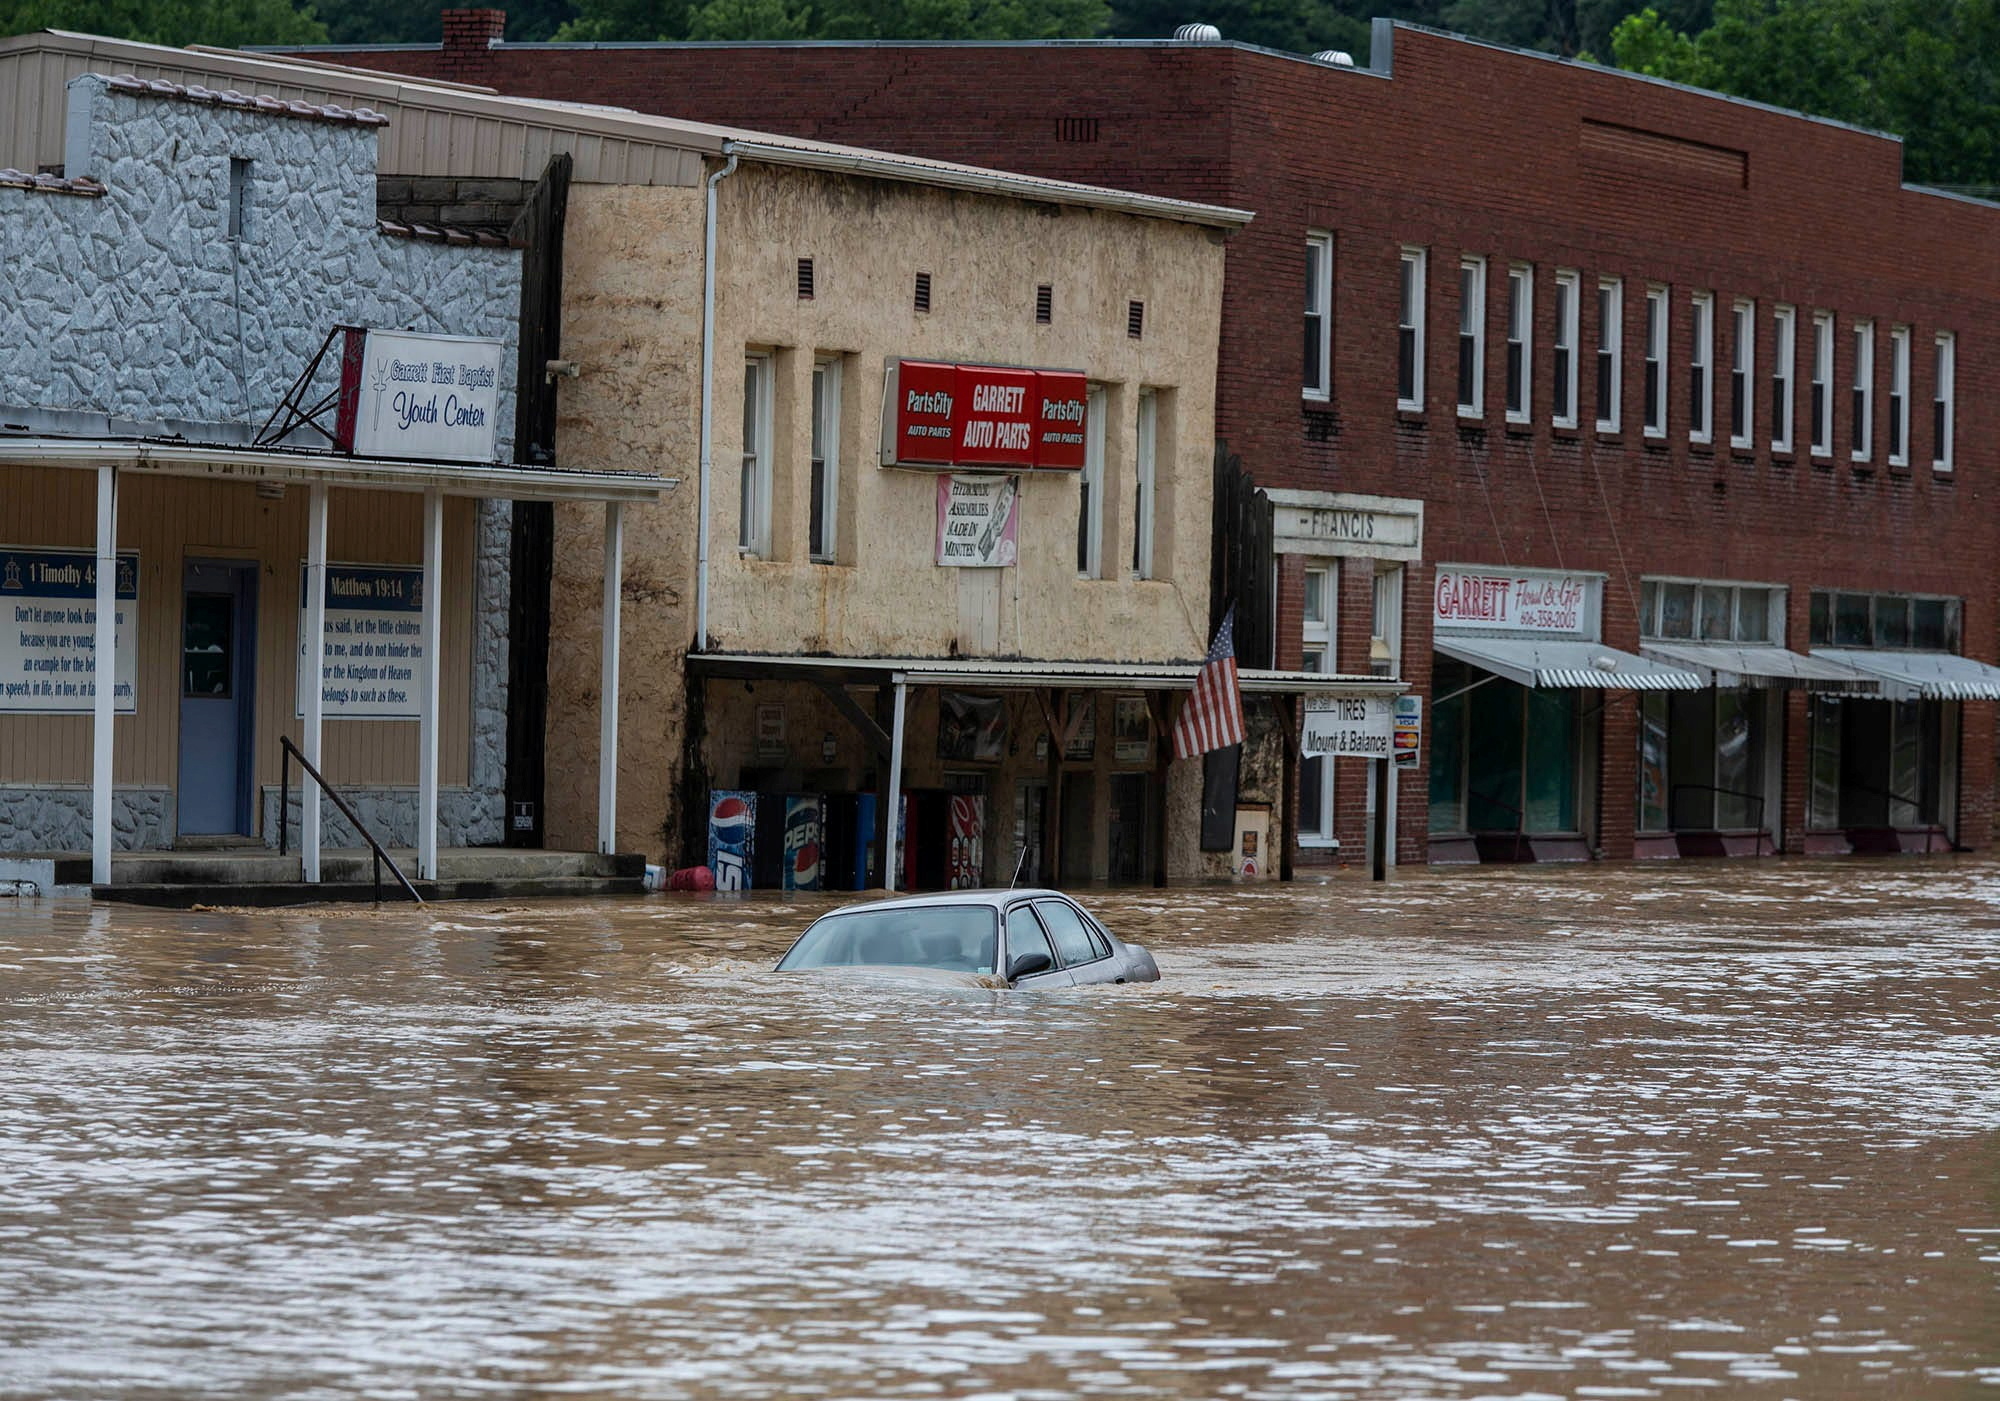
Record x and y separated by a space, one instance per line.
1077 675
1922 675
1729 665
1566 664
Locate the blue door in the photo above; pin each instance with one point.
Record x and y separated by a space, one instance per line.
218 714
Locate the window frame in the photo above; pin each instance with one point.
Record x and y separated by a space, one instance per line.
1472 336
823 487
1319 635
1659 329
1520 386
1944 406
1862 391
1563 354
1743 372
1610 352
1899 396
1822 385
1090 488
753 500
1145 474
1701 369
1784 366
1411 269
1319 262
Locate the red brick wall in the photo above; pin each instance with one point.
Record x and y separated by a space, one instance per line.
1470 149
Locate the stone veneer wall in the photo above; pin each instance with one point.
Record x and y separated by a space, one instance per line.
136 306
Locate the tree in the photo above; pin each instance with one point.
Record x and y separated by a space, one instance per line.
835 19
1928 70
227 23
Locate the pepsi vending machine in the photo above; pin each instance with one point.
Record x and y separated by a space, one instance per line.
732 837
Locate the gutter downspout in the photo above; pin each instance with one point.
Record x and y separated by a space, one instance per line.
707 396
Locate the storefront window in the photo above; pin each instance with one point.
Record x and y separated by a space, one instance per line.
1504 758
1877 763
1449 677
1851 627
1701 760
1550 801
1676 610
1886 620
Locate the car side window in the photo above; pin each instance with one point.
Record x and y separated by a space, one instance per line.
1072 934
1024 935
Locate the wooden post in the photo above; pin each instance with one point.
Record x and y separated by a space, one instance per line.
1057 718
1288 800
1379 867
1163 756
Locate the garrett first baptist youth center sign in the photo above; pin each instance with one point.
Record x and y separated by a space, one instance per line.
408 395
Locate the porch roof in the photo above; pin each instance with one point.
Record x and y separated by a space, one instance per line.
1781 667
1566 664
1076 675
1921 675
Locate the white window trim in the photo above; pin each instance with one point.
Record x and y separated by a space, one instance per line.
1611 342
1521 281
1864 385
753 532
1659 331
1944 392
826 373
1416 259
1899 395
1319 247
1822 428
1321 635
1743 351
1474 304
1568 333
1701 417
1784 363
1145 474
1091 520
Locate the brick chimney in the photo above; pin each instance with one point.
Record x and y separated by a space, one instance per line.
468 38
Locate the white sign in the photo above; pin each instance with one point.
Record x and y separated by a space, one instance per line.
977 521
1344 523
431 397
48 632
374 642
1350 726
1540 601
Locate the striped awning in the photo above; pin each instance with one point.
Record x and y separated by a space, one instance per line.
1921 675
1567 664
1726 665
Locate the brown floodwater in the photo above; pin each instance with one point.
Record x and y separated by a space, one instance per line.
1614 1132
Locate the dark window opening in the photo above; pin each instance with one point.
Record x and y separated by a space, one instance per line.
1045 304
1135 319
805 279
923 300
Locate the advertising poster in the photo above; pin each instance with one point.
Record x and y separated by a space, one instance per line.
978 519
732 837
1408 742
966 866
1081 744
805 831
971 729
1131 730
374 642
48 644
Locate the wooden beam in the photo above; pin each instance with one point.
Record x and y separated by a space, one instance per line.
850 708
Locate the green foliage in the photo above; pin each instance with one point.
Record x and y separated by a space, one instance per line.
224 22
836 19
1928 70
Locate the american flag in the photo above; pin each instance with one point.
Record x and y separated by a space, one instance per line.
1213 715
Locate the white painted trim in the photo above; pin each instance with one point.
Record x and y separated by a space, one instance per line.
104 672
895 783
313 701
607 706
427 722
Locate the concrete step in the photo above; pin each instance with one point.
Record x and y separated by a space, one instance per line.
260 866
183 895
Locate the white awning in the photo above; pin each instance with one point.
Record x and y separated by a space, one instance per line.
1921 675
1726 665
981 671
1567 663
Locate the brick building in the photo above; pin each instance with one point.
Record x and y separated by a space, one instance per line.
1643 429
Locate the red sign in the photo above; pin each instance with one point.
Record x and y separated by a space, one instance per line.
984 416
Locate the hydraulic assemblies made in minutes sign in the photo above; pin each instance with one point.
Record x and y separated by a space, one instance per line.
432 398
939 415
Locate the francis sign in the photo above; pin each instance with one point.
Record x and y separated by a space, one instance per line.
374 642
48 632
939 415
432 398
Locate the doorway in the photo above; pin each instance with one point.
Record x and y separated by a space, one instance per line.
218 669
1131 851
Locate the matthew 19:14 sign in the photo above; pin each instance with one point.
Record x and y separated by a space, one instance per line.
374 642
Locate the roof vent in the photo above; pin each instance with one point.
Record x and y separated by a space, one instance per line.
1197 34
1338 58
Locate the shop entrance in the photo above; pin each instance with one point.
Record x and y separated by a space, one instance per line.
218 714
1505 761
1131 862
1079 827
1880 768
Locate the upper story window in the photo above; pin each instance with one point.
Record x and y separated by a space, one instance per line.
823 527
1520 339
1471 337
1410 331
753 534
1316 654
1655 425
1319 316
1701 368
1145 498
1943 428
1908 622
1862 397
1742 362
1610 341
1090 486
1562 360
239 197
1784 354
1692 610
1899 396
1822 384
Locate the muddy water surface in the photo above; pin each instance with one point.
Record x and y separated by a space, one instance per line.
1612 1132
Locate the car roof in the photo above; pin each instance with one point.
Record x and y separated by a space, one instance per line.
991 899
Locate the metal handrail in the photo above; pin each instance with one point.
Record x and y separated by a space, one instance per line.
291 752
1673 810
1928 828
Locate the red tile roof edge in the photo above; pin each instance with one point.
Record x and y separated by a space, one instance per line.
431 233
330 113
51 184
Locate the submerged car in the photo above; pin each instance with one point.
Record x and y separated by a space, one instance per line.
1007 938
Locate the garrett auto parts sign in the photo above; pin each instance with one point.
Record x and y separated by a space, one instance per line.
940 415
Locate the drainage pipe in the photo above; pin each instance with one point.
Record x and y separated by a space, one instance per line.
707 399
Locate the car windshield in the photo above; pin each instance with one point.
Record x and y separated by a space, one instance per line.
959 938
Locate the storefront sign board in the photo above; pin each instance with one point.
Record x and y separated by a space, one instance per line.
374 641
48 632
1348 726
1538 602
940 415
978 521
1345 523
403 394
